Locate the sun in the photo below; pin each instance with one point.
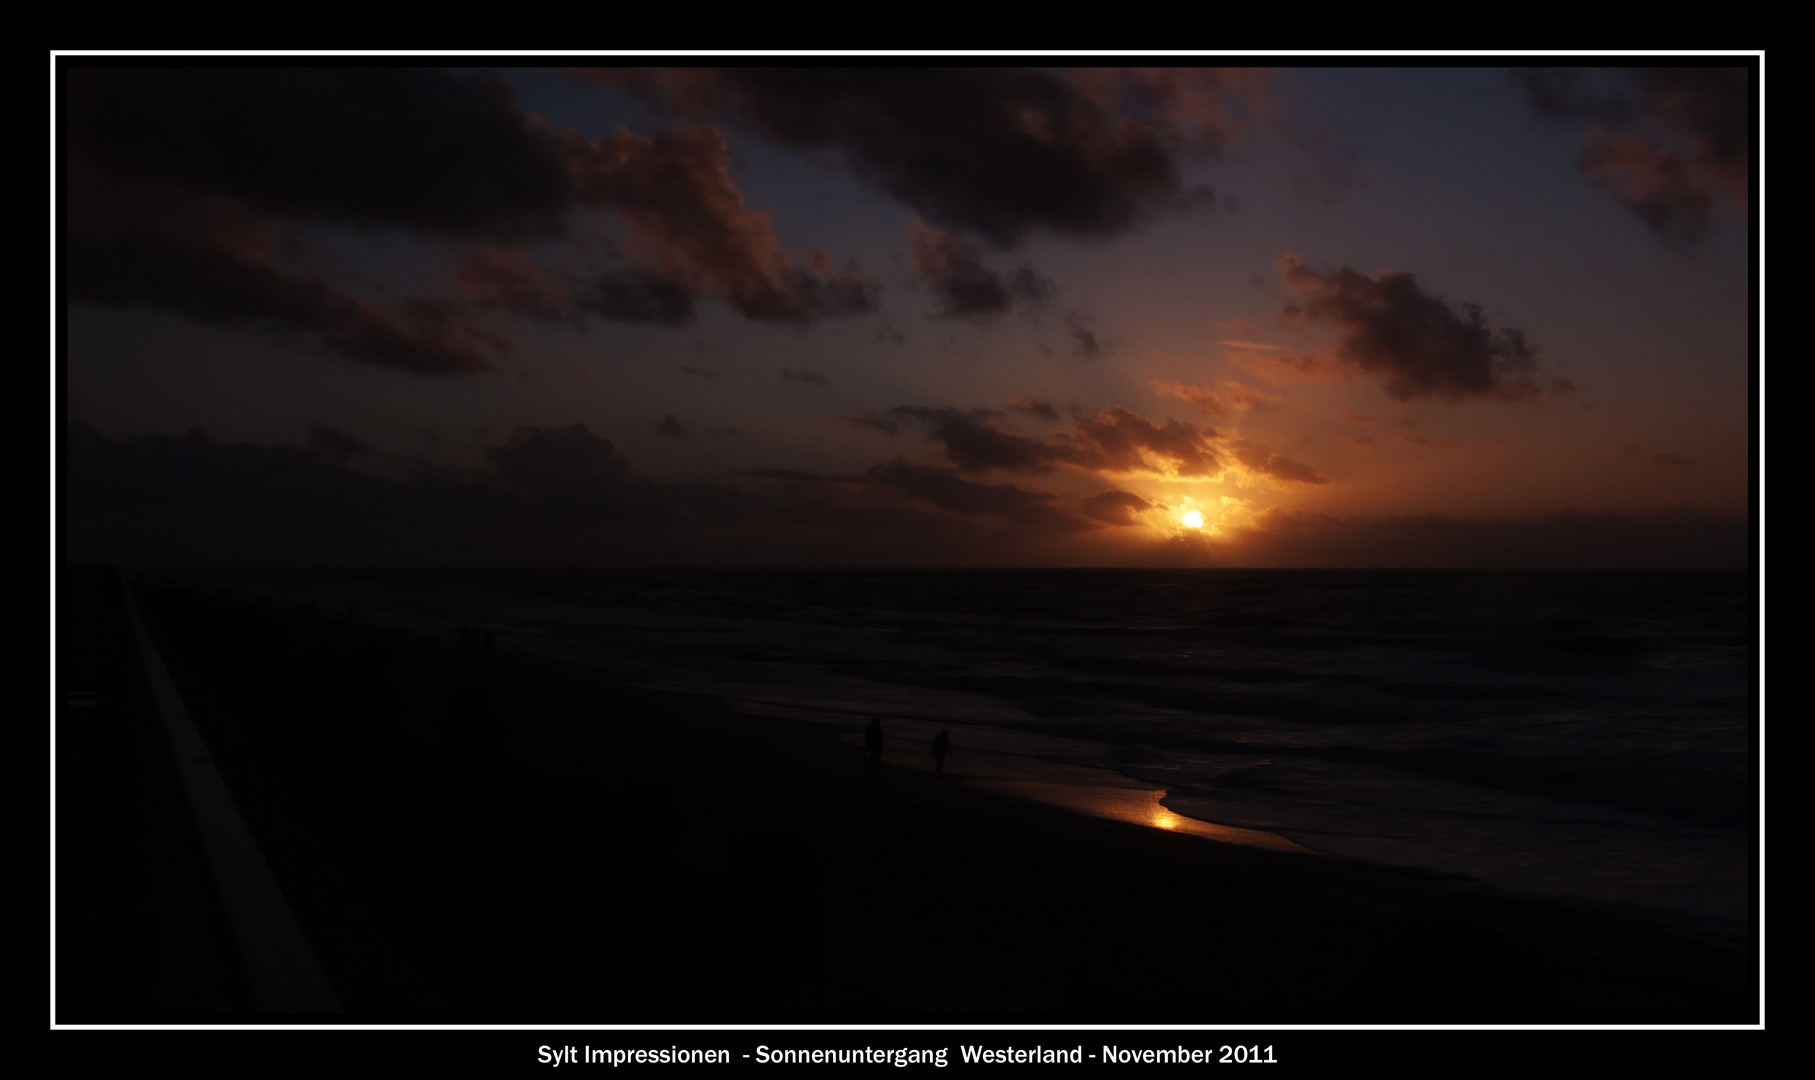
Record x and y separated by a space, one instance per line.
1193 519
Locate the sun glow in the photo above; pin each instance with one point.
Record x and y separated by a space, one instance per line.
1193 519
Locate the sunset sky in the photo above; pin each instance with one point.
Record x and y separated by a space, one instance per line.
903 314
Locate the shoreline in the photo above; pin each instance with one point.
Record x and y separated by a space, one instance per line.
1580 825
754 870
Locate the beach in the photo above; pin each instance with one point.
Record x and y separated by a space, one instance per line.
468 832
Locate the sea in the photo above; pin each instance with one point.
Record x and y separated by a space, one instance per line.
1585 738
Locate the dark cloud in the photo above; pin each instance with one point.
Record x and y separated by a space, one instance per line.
432 150
1666 141
971 442
1084 343
183 187
639 296
1567 538
868 418
191 501
944 488
792 375
173 176
1415 343
334 442
569 464
1113 440
675 194
697 372
671 426
1118 440
157 247
798 477
1039 407
564 496
555 496
1115 507
1279 467
508 279
998 152
966 288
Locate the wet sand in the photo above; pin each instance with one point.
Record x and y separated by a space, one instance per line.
476 835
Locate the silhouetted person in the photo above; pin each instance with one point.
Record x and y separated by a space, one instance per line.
872 738
941 747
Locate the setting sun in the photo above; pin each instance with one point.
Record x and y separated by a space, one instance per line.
1193 519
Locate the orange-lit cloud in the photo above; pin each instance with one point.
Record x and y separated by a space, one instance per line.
1235 395
1110 440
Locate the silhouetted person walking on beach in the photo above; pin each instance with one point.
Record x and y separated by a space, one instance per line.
941 747
872 738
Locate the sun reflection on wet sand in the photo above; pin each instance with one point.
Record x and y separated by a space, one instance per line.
1086 789
1140 805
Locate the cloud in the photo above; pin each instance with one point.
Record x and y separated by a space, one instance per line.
1238 396
684 212
173 250
639 296
966 288
802 376
671 426
997 152
1039 407
798 477
1117 440
971 441
334 442
431 150
1566 538
188 188
1248 397
1415 343
1263 461
508 279
1115 507
1110 440
1201 396
563 462
567 497
1667 142
505 277
1084 343
944 488
174 175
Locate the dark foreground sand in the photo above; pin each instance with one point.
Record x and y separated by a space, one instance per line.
475 836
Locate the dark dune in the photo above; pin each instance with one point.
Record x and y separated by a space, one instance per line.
471 835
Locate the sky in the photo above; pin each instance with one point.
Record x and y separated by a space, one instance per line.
884 311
